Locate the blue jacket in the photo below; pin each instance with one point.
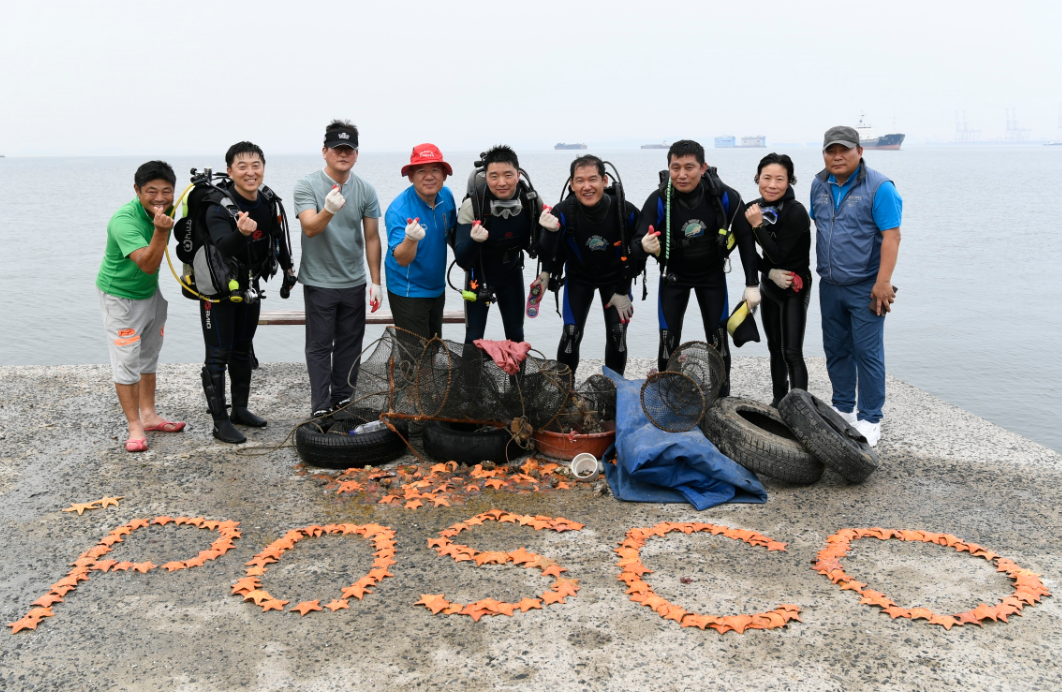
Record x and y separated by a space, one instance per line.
849 225
425 276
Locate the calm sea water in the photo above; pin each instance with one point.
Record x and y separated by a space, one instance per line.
976 321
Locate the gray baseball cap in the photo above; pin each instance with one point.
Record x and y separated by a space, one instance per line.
841 134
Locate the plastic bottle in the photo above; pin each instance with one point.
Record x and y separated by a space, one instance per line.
369 427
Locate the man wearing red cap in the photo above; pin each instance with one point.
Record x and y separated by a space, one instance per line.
418 222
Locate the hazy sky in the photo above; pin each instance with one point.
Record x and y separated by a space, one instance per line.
143 78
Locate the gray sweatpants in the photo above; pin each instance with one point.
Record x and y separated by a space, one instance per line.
335 328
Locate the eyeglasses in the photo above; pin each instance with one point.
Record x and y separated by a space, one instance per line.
424 170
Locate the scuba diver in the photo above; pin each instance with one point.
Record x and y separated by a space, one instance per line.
587 250
496 225
247 227
685 224
781 226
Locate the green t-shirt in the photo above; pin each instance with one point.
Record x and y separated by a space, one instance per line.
335 258
128 230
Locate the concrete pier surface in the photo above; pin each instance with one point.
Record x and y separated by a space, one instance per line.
943 470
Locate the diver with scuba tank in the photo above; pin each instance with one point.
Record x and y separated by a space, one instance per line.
237 235
586 249
497 223
686 225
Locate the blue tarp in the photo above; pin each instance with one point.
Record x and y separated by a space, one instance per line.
657 466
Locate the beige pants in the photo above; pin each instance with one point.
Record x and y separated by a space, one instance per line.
135 331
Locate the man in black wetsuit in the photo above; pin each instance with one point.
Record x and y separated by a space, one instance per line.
585 237
685 224
251 235
494 227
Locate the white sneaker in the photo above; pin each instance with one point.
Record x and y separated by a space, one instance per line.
849 418
871 431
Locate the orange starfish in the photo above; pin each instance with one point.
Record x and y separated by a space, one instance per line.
306 607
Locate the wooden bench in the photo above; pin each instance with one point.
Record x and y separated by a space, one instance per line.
378 317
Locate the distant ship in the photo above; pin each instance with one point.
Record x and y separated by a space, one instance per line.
868 141
730 142
662 145
560 146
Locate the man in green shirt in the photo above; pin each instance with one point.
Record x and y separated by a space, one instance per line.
133 309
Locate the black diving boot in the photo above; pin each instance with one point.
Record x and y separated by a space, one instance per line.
214 388
241 392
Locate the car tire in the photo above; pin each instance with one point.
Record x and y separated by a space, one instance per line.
755 435
327 444
833 441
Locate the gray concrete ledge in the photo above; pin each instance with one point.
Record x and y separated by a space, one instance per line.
943 469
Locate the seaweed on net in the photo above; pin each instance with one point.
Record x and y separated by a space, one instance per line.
590 407
405 376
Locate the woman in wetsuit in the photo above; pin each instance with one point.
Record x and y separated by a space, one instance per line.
781 228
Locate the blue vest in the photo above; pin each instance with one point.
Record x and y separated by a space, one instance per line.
847 241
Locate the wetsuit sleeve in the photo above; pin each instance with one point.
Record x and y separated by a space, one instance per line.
746 246
888 207
744 233
648 217
551 247
465 249
226 239
797 225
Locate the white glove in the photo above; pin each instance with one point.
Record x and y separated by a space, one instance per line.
334 201
479 234
375 296
623 305
781 277
548 221
414 231
751 296
651 242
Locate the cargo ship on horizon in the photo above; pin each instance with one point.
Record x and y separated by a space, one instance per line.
561 146
868 140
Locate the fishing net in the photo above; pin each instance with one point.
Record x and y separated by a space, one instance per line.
406 375
702 362
589 409
673 401
387 374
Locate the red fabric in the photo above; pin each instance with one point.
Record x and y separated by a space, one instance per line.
507 355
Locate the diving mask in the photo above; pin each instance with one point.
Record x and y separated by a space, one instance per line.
770 215
506 207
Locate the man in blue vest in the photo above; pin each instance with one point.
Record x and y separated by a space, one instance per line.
857 214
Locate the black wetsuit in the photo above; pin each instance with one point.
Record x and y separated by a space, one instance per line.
228 327
693 261
784 312
499 263
588 246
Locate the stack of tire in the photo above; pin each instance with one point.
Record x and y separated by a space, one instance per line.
327 442
794 443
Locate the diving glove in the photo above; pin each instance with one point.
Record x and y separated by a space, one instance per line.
651 242
374 296
751 296
334 201
548 221
414 231
782 278
623 306
479 234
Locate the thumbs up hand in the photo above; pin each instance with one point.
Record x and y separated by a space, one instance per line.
651 242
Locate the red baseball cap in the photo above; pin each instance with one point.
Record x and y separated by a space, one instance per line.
423 154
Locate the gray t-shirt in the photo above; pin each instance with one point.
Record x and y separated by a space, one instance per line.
335 257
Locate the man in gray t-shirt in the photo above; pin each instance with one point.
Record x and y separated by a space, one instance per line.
333 205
